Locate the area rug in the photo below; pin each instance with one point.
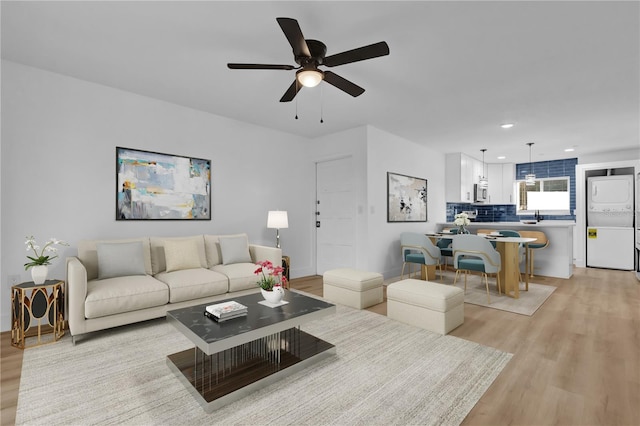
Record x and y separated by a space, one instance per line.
384 373
527 304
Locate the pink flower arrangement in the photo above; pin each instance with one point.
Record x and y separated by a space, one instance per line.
271 276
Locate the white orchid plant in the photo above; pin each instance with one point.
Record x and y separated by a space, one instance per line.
39 257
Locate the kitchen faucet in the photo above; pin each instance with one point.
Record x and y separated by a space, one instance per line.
538 216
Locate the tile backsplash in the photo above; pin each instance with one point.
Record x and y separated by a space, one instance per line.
496 213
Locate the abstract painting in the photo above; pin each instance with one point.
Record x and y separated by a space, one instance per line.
406 198
154 186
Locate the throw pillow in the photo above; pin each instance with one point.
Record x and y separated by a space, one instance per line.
235 250
181 254
120 259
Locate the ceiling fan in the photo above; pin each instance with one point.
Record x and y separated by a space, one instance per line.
309 55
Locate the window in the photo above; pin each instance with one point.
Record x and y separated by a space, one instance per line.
548 196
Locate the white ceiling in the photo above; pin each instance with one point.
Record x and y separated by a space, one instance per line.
567 73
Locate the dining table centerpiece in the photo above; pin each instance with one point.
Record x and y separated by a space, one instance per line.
461 221
271 281
39 262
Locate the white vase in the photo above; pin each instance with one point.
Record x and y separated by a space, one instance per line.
39 273
274 296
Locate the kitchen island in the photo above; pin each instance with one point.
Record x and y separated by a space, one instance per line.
554 261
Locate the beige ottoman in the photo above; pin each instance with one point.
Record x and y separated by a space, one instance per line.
432 306
358 289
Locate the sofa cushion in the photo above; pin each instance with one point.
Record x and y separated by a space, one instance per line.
88 254
213 250
235 249
241 275
190 284
181 254
120 259
124 294
158 260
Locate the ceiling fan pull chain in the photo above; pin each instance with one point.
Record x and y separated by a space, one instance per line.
296 100
321 103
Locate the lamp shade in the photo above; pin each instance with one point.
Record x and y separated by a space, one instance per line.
277 219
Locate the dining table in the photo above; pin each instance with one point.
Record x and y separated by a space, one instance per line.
509 249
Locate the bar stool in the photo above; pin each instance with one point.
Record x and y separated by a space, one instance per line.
487 232
540 243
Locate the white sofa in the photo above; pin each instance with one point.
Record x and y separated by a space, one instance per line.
116 282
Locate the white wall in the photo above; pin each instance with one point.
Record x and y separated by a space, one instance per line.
376 152
58 169
610 156
389 153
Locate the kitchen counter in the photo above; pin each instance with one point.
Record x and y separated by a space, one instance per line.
554 261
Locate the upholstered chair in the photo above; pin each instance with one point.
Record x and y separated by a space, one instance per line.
473 253
418 248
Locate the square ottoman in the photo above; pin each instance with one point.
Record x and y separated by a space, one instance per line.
358 289
432 306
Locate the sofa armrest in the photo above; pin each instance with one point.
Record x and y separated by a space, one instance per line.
260 253
76 295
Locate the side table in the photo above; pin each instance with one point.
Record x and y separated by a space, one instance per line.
285 266
37 314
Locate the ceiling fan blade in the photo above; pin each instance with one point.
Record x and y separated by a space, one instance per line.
292 31
343 84
291 92
260 67
360 54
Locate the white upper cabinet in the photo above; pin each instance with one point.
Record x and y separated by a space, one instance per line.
501 183
462 172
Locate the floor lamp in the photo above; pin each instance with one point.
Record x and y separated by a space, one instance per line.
277 220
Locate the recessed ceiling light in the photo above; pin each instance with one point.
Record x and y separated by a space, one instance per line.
502 157
506 125
569 150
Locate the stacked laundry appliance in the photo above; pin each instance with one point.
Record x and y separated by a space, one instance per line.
610 222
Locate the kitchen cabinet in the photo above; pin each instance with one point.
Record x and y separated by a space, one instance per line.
501 179
461 172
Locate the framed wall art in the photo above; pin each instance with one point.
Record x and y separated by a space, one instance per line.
155 186
406 198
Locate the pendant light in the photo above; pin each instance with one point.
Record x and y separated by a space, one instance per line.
530 178
484 182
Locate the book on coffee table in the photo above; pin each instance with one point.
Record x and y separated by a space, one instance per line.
229 309
226 318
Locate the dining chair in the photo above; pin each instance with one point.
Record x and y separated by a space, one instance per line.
444 244
418 248
475 253
541 242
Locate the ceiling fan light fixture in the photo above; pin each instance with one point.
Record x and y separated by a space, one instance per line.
309 77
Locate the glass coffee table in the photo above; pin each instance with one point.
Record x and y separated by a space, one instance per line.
233 358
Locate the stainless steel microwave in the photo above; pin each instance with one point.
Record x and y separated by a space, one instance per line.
481 195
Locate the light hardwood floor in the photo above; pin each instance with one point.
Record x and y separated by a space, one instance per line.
576 361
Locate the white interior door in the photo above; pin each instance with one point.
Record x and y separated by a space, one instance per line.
335 215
